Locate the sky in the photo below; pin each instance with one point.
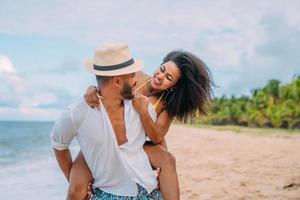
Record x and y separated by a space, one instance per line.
43 45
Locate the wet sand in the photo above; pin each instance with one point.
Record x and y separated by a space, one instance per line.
215 164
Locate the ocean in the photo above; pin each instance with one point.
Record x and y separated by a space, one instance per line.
28 168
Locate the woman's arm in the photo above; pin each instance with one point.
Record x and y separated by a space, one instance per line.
156 131
92 97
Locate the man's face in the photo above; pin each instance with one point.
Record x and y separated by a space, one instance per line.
128 83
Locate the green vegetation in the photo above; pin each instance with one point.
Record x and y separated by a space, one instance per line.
273 106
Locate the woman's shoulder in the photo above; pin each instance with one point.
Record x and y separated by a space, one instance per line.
161 104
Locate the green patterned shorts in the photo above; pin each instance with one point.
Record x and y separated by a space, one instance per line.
99 194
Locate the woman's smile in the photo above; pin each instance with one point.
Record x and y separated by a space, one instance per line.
156 82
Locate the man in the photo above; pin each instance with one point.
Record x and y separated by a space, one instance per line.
110 138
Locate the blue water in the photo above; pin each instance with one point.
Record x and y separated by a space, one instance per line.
28 169
19 141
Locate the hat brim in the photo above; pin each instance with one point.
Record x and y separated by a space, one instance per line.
135 67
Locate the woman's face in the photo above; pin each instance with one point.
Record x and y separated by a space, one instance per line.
166 76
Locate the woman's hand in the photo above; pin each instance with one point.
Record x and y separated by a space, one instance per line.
92 97
140 103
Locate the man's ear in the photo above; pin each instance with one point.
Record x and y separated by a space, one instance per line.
116 80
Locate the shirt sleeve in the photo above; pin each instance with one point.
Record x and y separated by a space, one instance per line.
63 131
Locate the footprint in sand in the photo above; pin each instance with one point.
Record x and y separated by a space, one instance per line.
292 186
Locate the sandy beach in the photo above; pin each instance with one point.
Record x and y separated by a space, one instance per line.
211 164
215 164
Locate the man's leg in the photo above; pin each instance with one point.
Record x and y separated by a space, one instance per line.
80 177
168 181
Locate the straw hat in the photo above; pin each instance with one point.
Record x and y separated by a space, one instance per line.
113 60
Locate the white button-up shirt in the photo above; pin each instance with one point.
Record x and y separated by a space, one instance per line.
115 169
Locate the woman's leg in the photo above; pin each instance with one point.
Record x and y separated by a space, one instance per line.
80 177
168 181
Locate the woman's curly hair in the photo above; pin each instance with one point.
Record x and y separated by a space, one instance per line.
193 89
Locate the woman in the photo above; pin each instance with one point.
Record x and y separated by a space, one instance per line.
179 88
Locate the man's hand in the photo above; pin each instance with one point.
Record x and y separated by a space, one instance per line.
90 192
158 173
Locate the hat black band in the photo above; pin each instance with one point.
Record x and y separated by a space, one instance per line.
114 67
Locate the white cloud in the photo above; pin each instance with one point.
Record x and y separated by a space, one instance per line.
6 65
154 27
39 99
26 113
23 98
9 74
231 36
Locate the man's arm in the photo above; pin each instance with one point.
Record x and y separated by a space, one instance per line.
64 160
62 134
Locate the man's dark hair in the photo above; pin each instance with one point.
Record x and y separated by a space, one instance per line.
102 80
